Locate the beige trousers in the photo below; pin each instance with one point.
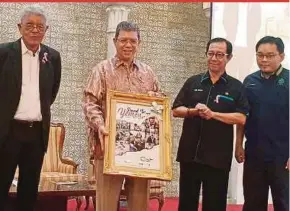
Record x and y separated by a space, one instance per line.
109 188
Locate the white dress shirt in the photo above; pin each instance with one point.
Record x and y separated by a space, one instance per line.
29 105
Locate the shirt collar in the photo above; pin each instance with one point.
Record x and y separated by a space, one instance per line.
118 62
276 73
206 77
25 50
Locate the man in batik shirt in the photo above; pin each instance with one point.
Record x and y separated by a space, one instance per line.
126 74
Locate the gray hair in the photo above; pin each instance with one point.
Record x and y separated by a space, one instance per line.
127 26
33 9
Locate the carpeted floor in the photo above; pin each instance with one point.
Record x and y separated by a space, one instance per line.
169 205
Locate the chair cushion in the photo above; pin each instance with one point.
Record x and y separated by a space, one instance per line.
61 177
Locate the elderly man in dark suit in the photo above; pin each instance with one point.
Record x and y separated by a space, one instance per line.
30 75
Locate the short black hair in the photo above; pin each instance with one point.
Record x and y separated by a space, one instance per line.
220 39
272 40
127 26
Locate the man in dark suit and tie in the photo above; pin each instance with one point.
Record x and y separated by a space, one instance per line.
30 75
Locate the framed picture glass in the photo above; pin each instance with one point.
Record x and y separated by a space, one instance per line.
139 140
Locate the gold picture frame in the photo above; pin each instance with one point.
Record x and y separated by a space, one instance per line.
139 141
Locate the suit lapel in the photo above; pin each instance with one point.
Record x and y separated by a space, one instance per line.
17 64
43 70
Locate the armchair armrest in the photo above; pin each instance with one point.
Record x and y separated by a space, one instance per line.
67 165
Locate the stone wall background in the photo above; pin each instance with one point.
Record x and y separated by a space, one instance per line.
174 36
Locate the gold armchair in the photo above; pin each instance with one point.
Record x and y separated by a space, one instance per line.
55 167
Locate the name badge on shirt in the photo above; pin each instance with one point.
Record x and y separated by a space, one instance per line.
198 90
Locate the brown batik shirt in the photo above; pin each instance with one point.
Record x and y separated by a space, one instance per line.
116 75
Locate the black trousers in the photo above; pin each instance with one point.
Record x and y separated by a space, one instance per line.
258 177
23 147
214 187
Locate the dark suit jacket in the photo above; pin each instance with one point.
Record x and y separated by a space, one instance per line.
11 82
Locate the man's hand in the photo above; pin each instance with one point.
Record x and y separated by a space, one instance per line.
240 154
204 111
200 106
288 164
102 132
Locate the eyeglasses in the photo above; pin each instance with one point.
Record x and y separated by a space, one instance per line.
30 27
125 41
268 56
218 55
